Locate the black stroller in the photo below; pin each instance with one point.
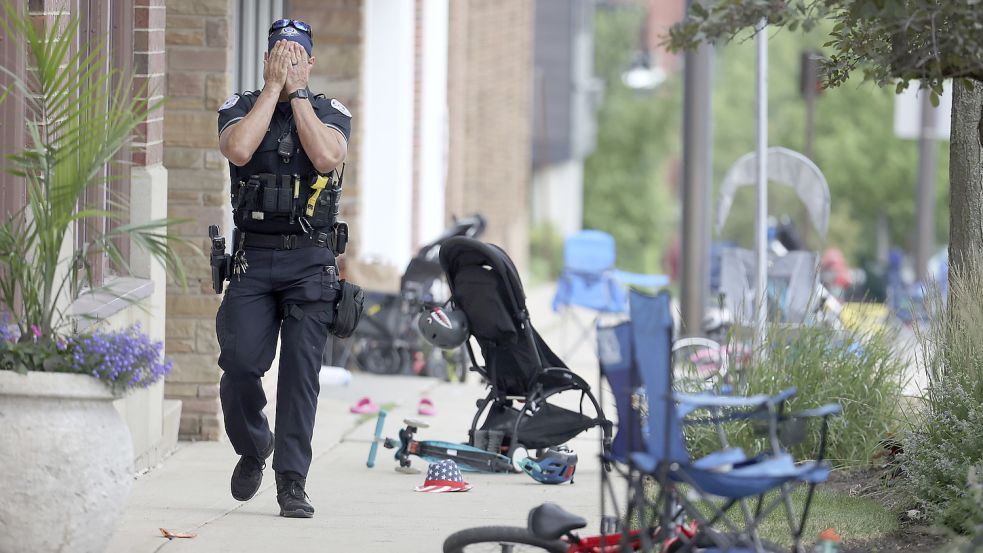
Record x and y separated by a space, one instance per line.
386 340
519 366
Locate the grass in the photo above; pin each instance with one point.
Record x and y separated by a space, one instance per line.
855 519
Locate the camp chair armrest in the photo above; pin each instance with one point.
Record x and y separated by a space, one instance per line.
822 411
705 400
783 396
701 401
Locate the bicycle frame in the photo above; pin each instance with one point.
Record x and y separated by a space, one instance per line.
612 543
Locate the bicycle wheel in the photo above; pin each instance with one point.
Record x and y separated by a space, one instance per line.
378 358
500 539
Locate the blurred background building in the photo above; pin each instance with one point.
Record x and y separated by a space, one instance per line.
566 95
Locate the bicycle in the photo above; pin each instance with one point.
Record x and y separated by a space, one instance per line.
551 529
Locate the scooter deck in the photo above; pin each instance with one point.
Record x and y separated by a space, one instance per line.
468 458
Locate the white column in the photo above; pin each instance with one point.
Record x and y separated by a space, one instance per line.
385 127
761 218
433 119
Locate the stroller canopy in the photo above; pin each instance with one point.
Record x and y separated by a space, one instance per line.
787 168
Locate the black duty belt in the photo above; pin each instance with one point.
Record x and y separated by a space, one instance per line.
315 239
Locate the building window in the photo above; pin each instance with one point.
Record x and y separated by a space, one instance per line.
98 23
254 19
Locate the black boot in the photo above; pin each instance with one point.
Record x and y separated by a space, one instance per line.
291 496
248 474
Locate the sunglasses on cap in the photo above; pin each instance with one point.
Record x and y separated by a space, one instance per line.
295 23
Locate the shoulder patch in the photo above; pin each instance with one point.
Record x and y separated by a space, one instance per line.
231 101
340 107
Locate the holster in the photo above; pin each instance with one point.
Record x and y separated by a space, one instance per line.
348 310
218 259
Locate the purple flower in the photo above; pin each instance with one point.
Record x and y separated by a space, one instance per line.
121 358
36 330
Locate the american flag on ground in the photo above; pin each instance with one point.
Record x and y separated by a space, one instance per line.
444 476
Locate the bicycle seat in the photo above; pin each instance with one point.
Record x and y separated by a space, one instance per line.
549 521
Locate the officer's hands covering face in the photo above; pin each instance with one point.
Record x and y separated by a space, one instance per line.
299 70
275 64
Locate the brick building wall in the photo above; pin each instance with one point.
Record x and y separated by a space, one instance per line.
199 65
489 95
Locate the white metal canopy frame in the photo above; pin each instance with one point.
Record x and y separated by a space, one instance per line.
785 167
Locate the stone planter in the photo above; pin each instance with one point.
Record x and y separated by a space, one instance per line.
65 463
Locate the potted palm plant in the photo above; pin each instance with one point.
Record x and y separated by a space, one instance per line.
66 456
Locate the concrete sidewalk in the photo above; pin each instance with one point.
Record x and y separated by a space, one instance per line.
357 508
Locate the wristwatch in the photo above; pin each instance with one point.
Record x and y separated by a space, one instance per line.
299 93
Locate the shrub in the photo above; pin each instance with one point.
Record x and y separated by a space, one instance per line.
946 437
857 369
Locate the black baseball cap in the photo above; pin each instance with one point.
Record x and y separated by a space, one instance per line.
292 30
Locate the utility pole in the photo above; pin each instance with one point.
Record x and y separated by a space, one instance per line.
697 180
925 198
809 87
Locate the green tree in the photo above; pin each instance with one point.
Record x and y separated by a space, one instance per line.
887 41
870 171
626 179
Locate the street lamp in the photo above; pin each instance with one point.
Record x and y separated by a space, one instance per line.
641 75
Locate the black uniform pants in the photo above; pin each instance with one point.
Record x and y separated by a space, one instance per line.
283 292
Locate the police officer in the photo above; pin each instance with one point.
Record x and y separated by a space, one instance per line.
284 147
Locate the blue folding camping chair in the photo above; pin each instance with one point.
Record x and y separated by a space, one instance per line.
635 357
590 280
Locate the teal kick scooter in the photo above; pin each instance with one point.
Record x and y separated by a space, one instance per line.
468 458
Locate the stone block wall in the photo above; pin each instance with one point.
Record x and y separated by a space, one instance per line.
199 63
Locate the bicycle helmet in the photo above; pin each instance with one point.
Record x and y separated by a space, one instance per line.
444 327
556 466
